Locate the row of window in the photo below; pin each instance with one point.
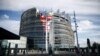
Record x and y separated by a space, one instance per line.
58 21
61 17
61 31
32 29
33 35
63 36
40 45
39 42
31 23
36 33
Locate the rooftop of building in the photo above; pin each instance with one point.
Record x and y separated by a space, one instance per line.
50 12
5 34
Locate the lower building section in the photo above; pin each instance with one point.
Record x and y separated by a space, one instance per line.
21 42
36 43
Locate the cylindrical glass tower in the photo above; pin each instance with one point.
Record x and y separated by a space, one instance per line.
31 27
34 25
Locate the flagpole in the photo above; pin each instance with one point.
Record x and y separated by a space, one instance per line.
46 36
76 33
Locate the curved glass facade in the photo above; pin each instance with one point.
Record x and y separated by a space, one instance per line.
32 27
59 31
63 35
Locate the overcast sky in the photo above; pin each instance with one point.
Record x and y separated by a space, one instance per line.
87 15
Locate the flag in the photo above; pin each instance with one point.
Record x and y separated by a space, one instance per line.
45 20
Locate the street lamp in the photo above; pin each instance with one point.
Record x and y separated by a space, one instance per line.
76 32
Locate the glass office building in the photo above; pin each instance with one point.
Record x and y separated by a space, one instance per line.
32 28
35 24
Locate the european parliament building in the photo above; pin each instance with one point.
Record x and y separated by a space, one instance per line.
44 29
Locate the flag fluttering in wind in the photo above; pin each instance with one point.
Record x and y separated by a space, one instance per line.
45 20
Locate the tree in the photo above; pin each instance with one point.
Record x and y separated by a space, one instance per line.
94 45
88 43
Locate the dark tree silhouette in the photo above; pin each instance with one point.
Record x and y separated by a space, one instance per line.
88 43
94 45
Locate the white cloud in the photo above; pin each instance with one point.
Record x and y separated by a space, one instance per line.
85 25
80 6
10 25
83 42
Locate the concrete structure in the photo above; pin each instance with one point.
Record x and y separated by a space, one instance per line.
45 29
21 42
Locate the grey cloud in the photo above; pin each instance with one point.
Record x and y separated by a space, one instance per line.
92 0
4 17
